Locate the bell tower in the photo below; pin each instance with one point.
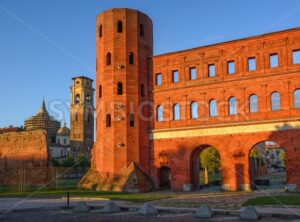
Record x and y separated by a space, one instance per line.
82 116
123 84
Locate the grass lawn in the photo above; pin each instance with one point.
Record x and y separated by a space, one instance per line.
134 197
292 199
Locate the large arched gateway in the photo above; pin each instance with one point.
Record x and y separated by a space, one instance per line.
267 166
205 167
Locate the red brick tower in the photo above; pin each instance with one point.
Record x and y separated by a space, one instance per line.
124 49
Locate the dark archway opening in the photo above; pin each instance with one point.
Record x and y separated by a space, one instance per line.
206 168
267 166
164 175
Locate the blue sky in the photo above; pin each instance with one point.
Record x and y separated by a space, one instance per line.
46 43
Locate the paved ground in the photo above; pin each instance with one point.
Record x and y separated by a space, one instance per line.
37 209
60 216
220 200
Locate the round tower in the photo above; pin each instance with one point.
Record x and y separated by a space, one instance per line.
124 49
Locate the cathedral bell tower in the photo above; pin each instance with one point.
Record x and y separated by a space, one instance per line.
124 48
82 116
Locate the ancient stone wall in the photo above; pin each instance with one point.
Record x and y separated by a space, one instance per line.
23 149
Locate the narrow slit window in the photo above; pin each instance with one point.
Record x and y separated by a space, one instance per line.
131 58
142 31
100 31
131 120
120 88
108 59
120 27
100 91
108 120
142 90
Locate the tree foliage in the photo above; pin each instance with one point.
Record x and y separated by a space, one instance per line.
210 159
68 162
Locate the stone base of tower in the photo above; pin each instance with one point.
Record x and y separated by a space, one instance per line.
131 179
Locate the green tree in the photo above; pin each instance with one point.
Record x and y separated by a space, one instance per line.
55 162
282 158
254 153
68 162
82 161
210 159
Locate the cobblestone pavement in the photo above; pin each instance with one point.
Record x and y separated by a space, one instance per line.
61 216
225 200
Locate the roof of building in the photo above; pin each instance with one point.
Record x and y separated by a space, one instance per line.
63 131
84 77
42 120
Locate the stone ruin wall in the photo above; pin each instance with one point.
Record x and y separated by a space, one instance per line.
23 154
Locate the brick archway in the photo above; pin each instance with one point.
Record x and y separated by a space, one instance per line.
257 170
194 164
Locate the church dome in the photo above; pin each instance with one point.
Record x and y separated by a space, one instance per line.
63 131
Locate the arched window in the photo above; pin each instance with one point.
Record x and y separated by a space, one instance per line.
120 26
131 58
77 99
108 120
213 112
176 112
275 101
142 31
108 59
232 106
76 117
100 91
142 90
100 31
194 110
120 88
297 98
131 120
88 97
253 104
160 113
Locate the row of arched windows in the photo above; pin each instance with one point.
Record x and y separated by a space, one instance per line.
130 58
120 29
131 120
120 89
232 106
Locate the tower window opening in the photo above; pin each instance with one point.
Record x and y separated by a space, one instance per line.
142 90
108 59
76 117
88 97
100 31
77 99
131 58
131 120
120 27
100 91
120 88
108 120
142 31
